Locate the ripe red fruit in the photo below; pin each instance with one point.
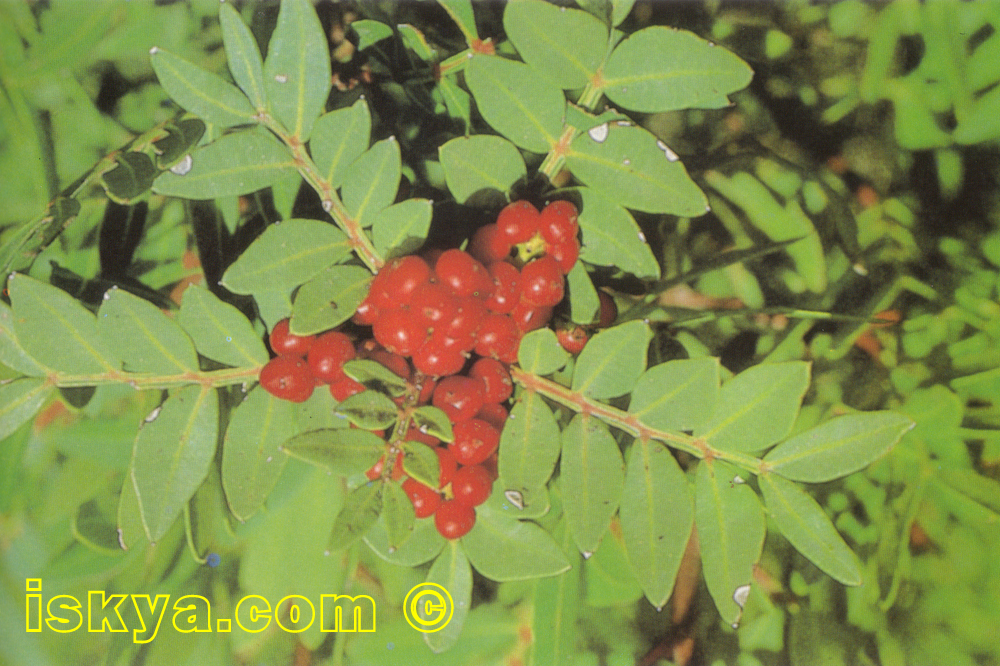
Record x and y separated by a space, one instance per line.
463 274
413 434
542 282
397 281
565 253
609 311
399 331
498 338
284 343
288 378
427 387
518 222
437 359
506 287
463 326
472 485
558 222
529 318
345 388
488 245
425 500
458 397
366 314
435 304
447 464
474 441
394 362
328 354
573 339
497 385
493 413
454 519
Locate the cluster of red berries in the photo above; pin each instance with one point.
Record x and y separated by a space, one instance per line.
435 312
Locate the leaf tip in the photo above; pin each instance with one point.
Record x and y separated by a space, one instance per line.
154 50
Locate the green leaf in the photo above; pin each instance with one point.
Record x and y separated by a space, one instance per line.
451 571
361 509
287 254
423 545
516 102
243 56
297 69
131 177
540 352
610 581
631 167
402 228
329 299
341 451
251 457
839 447
398 513
433 422
656 516
592 476
531 503
12 354
416 42
584 303
663 69
369 410
476 165
20 400
219 330
505 549
460 12
611 237
556 605
529 445
180 137
807 527
372 181
202 93
456 100
677 395
146 339
56 331
370 32
316 413
757 408
375 375
731 528
421 463
238 163
339 138
94 528
21 247
565 45
172 455
612 361
620 10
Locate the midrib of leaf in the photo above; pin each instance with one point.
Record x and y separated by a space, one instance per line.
341 147
778 495
11 406
557 47
611 238
207 315
674 74
830 446
373 185
666 397
525 439
238 170
73 332
300 20
484 175
198 92
616 166
748 406
264 269
603 364
524 109
723 531
156 342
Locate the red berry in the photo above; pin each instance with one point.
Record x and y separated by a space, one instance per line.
518 222
427 387
397 469
285 343
498 338
506 287
493 413
399 331
288 378
573 339
413 434
529 318
609 311
558 222
463 326
489 245
398 279
425 500
472 485
542 282
437 359
565 253
394 362
474 441
366 314
464 275
435 304
454 519
328 354
458 397
447 464
497 385
345 388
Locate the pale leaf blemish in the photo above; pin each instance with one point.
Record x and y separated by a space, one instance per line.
281 78
515 498
671 155
182 167
599 133
741 594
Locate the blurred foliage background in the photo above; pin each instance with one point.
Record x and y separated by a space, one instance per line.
883 120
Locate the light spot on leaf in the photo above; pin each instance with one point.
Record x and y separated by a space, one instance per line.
183 166
515 498
281 78
599 133
671 155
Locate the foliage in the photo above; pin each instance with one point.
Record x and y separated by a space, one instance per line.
623 470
